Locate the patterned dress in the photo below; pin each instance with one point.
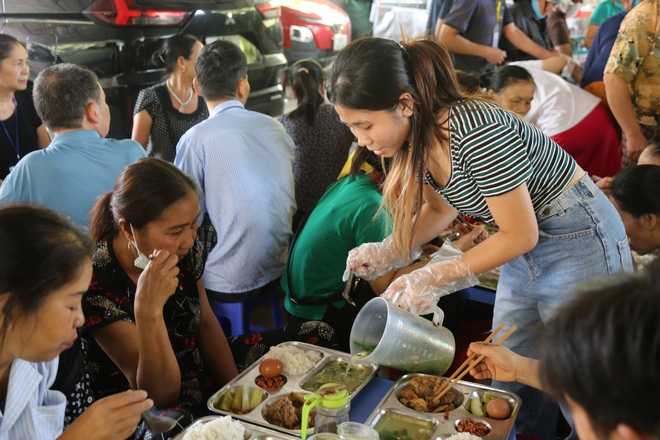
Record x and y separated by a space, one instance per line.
169 124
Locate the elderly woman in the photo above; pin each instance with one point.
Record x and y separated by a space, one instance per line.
147 311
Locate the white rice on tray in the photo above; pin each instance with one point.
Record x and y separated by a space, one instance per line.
463 436
294 360
222 428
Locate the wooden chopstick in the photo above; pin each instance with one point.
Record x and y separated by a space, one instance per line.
450 385
471 357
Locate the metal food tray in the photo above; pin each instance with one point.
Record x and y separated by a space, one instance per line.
252 432
293 383
444 428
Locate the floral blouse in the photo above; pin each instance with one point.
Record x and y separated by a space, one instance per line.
111 298
635 57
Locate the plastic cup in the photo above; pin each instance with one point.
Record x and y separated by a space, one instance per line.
324 436
356 431
388 335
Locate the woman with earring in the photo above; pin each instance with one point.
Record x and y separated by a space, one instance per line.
164 112
464 154
22 130
322 141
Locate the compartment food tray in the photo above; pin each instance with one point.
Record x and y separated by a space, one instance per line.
253 432
500 429
293 383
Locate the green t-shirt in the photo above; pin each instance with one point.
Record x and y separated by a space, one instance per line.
607 9
342 220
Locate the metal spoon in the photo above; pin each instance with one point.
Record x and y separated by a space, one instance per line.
347 290
158 424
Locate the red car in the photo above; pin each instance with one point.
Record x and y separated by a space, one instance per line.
315 29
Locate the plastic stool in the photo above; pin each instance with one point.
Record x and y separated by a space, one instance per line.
235 317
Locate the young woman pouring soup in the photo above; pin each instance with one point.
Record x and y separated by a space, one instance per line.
462 154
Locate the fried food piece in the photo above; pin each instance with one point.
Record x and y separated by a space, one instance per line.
422 394
287 412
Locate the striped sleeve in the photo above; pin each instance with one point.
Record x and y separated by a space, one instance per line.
497 159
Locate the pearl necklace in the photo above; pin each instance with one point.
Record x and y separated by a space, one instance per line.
181 103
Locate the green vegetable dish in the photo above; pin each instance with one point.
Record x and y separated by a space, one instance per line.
335 372
397 426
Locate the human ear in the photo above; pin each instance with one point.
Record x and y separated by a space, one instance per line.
196 86
126 229
406 104
242 88
181 62
649 220
91 112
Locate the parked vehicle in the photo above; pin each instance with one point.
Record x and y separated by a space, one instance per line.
315 29
117 38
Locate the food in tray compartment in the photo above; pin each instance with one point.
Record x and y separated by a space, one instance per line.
286 412
462 436
422 394
240 400
294 360
270 368
272 384
471 426
335 372
397 426
491 406
222 428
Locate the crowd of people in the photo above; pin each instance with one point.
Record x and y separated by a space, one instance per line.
115 250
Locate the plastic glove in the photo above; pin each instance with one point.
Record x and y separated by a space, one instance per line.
373 260
420 290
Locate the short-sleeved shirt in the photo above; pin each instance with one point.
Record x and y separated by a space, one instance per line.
169 124
111 298
607 8
493 151
320 153
525 19
477 21
68 176
22 132
344 218
557 28
439 9
635 57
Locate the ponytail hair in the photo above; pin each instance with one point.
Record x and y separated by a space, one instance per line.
503 77
307 76
372 74
142 192
173 48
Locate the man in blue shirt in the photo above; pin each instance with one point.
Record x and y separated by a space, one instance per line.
243 164
79 164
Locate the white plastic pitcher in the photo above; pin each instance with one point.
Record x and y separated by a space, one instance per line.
396 338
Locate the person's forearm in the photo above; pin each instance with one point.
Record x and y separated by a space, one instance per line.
458 44
216 352
431 223
158 371
527 372
524 43
620 102
498 249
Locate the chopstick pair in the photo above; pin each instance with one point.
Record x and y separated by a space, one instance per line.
462 370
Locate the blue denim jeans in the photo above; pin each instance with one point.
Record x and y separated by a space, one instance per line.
581 237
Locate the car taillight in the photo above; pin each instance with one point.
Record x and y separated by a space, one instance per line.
128 13
269 11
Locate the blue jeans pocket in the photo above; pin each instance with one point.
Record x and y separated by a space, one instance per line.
568 236
625 255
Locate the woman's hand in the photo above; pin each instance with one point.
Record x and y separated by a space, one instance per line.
470 237
504 365
112 418
373 260
157 282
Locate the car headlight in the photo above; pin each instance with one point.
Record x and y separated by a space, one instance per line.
302 34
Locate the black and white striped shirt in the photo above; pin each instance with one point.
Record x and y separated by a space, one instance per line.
493 151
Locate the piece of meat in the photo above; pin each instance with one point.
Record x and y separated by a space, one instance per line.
424 385
408 393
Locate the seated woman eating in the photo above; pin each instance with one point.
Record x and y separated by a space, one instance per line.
44 270
147 311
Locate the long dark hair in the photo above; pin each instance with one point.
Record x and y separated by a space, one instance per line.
372 74
142 192
307 76
41 252
173 48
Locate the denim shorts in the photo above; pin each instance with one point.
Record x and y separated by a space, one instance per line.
581 238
